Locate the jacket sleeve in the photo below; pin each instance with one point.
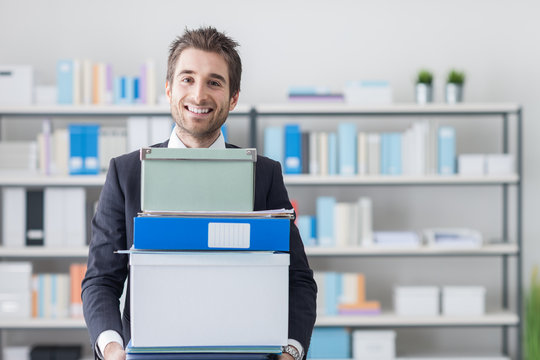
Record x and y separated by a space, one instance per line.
302 286
106 273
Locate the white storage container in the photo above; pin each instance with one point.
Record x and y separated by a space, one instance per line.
209 299
500 164
374 345
471 164
463 300
15 290
416 300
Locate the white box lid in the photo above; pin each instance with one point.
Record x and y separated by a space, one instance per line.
214 258
464 290
416 290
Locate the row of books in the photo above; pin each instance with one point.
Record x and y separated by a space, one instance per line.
52 217
83 82
338 224
82 148
422 149
43 295
343 294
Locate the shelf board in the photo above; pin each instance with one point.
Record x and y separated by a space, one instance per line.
100 110
34 179
322 109
305 179
487 250
43 252
392 320
42 323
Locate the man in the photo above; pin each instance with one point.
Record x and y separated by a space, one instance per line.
203 85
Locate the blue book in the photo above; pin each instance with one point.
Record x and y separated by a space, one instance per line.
136 93
293 149
325 220
117 90
210 233
447 150
64 82
333 287
274 143
347 148
330 343
76 149
332 154
225 132
91 150
394 156
129 91
305 227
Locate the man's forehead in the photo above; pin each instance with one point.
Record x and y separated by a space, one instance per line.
196 60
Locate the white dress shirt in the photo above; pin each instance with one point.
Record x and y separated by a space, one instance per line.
109 336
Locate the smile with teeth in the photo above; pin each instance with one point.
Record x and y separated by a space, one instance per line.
198 110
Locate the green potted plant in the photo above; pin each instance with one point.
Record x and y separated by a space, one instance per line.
532 318
424 87
454 86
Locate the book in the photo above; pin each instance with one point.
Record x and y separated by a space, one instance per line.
362 155
293 149
274 143
64 82
13 216
374 153
34 218
76 276
330 343
323 153
325 220
306 152
447 150
332 154
314 157
347 148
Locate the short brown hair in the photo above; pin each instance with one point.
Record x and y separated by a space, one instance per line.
208 39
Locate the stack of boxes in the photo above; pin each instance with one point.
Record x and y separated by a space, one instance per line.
209 276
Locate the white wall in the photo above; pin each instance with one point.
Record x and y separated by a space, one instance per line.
311 42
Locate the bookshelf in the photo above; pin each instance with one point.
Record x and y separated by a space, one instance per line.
509 248
508 117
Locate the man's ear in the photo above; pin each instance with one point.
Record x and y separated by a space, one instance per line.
168 90
234 101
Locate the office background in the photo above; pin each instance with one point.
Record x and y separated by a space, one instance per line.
326 43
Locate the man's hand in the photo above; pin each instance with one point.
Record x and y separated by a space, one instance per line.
114 351
285 356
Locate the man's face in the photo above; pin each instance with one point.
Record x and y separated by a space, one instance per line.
199 95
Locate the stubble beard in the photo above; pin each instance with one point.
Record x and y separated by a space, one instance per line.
202 135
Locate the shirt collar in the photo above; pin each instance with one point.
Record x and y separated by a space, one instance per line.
175 142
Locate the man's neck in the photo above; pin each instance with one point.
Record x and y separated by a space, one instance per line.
192 142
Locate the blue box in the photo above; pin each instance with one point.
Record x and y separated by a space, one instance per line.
210 233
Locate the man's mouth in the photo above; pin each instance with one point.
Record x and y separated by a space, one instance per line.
198 110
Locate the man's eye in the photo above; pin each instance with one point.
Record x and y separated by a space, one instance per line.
215 83
186 80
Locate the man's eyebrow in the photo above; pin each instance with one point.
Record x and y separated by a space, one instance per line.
212 75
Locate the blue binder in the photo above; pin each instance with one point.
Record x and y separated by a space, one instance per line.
200 233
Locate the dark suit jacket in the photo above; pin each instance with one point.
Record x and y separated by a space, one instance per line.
112 229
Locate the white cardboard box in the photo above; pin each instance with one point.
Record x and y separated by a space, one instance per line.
374 345
16 84
15 289
416 300
500 164
463 300
209 299
471 164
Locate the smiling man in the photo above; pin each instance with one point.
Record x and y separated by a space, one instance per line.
203 85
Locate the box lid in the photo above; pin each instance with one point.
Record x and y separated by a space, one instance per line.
198 154
218 258
464 290
416 290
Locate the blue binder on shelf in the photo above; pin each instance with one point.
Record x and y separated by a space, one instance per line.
211 233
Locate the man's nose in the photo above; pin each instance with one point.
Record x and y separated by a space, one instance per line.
199 93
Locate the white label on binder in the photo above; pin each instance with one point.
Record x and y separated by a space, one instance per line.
228 235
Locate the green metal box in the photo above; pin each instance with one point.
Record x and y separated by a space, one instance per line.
197 179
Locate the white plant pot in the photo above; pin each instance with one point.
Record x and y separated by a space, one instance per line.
454 93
